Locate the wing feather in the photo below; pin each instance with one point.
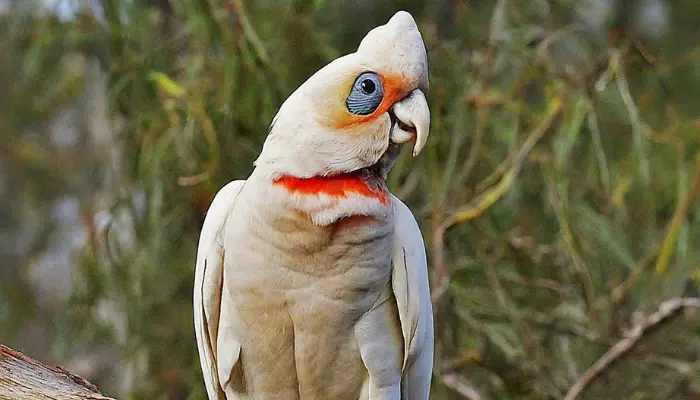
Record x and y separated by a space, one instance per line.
412 292
208 282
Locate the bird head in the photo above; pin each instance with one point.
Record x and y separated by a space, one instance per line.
356 110
340 132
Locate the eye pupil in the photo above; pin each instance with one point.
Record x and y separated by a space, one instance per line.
368 86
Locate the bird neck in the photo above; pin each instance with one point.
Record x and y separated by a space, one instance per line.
325 200
336 186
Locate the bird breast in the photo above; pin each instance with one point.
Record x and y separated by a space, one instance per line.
297 291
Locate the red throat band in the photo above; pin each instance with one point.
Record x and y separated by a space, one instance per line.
335 186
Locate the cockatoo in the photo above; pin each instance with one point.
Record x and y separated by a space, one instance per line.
311 278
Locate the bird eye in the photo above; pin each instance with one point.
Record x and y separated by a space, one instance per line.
366 95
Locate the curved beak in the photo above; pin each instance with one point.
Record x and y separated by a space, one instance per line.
413 121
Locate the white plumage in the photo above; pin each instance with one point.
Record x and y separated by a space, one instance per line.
311 279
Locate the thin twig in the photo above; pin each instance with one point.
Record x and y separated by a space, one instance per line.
193 180
236 7
621 290
517 157
487 199
540 283
497 30
504 301
450 166
482 112
643 50
667 309
409 185
639 128
679 216
682 368
460 385
599 151
557 197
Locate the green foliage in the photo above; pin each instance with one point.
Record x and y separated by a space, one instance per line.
557 193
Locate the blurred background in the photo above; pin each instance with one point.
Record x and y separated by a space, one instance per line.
558 195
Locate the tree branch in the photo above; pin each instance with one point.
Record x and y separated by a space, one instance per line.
667 309
23 378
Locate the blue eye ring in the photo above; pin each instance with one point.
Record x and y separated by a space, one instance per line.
366 95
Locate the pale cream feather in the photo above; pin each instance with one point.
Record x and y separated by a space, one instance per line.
412 292
208 283
293 298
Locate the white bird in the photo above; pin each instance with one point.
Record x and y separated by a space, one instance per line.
311 279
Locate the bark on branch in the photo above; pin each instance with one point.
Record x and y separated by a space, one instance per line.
23 378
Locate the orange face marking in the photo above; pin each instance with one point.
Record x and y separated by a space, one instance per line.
337 186
395 89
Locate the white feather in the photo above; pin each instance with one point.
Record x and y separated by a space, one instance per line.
411 289
207 290
325 210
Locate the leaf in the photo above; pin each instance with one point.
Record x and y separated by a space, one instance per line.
167 85
565 143
597 229
505 338
679 216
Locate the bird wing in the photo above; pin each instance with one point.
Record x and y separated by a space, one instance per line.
412 292
208 283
